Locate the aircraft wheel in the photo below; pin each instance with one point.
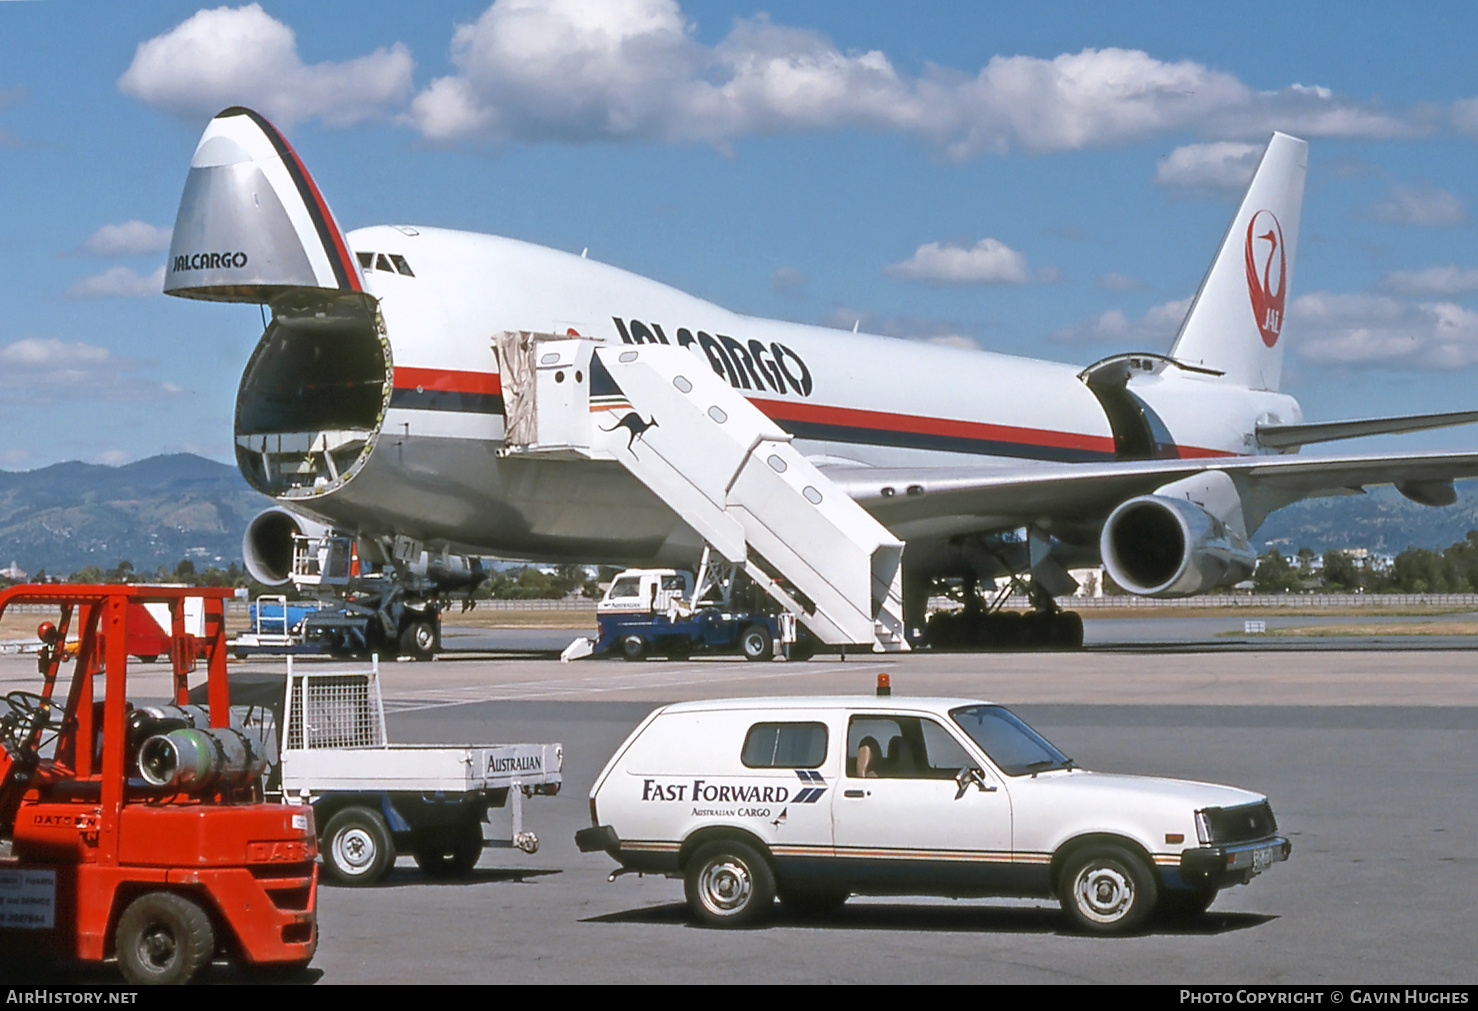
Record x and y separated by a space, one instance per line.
1067 630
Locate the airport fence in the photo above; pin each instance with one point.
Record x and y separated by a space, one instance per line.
1256 600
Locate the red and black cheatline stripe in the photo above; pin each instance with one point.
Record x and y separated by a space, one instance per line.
323 221
482 393
445 390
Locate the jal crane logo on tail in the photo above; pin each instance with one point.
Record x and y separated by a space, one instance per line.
1267 274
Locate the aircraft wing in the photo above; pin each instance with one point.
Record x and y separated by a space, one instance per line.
916 502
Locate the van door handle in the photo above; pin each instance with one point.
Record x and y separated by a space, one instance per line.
853 793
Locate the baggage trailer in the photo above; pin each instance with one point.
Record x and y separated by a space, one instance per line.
374 800
140 833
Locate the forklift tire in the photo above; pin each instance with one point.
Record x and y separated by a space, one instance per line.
357 848
163 938
757 643
418 639
633 648
450 853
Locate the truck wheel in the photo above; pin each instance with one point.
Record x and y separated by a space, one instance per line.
728 884
163 938
633 647
418 639
357 848
757 643
1107 890
451 853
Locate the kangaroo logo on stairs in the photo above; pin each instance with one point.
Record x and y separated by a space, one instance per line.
635 427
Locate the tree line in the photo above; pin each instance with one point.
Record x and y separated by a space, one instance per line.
529 582
1415 570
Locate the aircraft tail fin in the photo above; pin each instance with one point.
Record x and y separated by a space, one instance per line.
1236 318
252 224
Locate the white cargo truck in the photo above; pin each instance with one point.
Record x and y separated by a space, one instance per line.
373 800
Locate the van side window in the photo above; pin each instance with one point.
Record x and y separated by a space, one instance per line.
784 746
902 747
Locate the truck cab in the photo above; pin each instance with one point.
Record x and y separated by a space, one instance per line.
647 591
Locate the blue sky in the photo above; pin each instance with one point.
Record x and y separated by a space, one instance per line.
1073 165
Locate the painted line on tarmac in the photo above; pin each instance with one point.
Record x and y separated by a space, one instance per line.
592 686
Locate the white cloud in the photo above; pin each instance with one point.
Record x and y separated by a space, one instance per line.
244 56
127 239
1120 282
920 328
1360 329
1155 327
567 70
989 261
1220 165
1433 281
790 282
118 282
38 370
1425 206
111 457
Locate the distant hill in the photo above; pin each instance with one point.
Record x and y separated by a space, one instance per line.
1382 521
153 512
160 510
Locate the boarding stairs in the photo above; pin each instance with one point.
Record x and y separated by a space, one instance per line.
725 468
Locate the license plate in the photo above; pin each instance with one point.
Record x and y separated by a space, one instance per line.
1261 860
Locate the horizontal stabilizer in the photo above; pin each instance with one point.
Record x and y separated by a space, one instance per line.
252 224
1286 436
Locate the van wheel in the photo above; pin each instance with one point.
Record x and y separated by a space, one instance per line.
633 647
728 884
1107 890
357 848
757 643
164 939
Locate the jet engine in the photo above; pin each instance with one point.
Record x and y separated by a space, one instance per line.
267 546
1163 546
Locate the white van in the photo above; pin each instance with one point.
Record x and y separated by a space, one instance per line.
816 799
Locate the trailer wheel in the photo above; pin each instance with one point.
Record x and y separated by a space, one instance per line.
450 853
757 643
418 639
357 848
163 938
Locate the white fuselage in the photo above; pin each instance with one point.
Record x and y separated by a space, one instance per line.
432 471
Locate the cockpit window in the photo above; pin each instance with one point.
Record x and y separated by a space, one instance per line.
383 261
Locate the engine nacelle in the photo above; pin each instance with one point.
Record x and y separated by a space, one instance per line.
267 546
1158 546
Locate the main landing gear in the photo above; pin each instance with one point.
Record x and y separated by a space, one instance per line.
980 626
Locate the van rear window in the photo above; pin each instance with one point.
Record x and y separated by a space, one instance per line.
785 746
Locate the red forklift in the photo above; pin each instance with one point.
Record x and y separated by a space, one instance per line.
138 832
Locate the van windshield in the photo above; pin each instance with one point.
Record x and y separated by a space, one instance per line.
1016 748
